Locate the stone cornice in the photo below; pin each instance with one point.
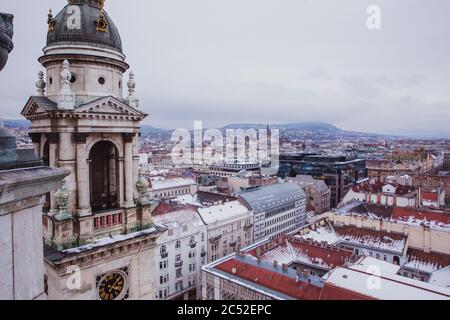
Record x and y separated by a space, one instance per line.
104 253
70 114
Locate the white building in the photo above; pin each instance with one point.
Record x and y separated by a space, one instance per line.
162 188
278 209
390 193
229 228
180 253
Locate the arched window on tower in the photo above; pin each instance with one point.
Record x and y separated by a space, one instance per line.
104 176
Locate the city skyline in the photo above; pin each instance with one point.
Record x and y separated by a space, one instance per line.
321 65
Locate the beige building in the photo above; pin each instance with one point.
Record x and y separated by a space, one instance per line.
169 188
98 231
318 193
229 228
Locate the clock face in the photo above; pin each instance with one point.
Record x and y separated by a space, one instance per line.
112 286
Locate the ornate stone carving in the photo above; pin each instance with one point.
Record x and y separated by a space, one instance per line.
142 187
62 200
6 35
132 101
40 84
66 97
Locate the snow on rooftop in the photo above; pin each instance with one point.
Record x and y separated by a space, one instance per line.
188 199
441 278
356 236
384 285
162 184
424 266
109 240
178 218
322 234
386 268
221 212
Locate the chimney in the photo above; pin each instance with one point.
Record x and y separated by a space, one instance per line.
285 267
275 264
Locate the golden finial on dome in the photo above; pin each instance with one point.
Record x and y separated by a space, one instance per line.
101 3
50 21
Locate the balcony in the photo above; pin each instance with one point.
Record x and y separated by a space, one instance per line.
193 245
248 227
179 264
203 254
233 244
215 239
164 255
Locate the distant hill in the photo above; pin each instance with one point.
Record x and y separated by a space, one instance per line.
13 123
317 127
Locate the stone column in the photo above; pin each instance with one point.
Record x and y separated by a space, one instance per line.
128 167
36 140
67 160
84 201
121 188
53 140
135 165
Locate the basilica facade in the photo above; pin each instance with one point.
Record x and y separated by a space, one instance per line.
98 230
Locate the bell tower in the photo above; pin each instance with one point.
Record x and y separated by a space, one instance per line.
80 121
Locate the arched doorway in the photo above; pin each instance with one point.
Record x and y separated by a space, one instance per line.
104 176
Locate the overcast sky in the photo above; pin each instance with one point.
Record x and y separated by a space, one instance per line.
266 61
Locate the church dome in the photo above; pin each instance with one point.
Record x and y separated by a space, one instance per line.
83 22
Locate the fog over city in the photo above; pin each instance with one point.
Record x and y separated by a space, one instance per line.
266 61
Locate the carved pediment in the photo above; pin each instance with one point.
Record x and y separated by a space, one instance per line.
108 106
38 106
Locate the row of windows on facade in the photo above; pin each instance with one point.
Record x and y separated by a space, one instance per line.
269 232
172 193
185 229
178 273
191 243
215 253
231 228
283 208
163 294
282 218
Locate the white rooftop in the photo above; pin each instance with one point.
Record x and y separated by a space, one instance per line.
162 184
375 279
222 212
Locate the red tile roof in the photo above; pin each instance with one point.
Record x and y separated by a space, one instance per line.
271 280
430 196
403 214
314 252
330 292
331 256
165 207
364 232
439 259
377 187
